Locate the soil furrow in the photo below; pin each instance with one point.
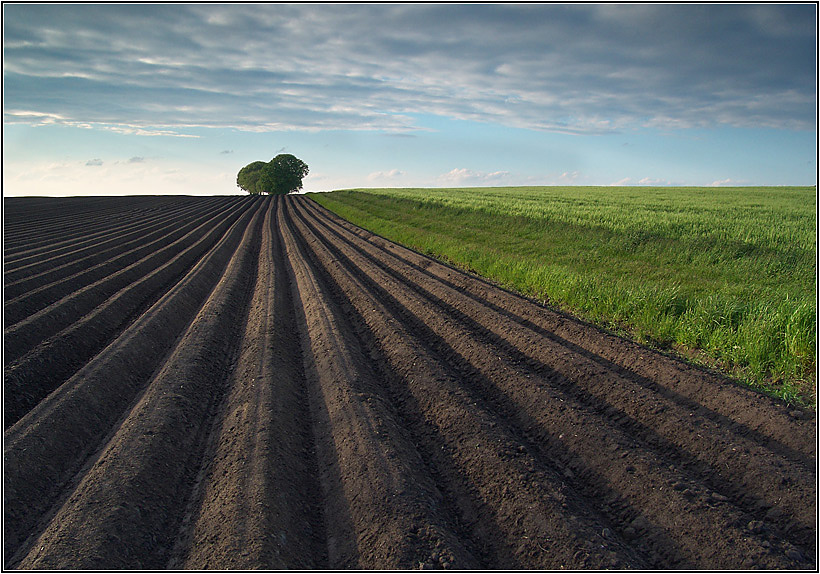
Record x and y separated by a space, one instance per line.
26 212
255 383
96 265
396 283
37 372
57 249
260 503
21 337
50 215
63 241
447 347
487 454
374 497
48 262
766 485
38 233
751 414
125 512
44 449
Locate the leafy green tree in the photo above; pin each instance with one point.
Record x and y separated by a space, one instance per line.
283 174
248 177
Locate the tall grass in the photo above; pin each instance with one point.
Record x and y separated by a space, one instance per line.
726 275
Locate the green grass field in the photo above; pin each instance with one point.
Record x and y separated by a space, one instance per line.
724 276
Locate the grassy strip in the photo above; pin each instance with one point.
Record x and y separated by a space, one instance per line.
726 277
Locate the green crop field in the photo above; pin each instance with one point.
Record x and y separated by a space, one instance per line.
724 276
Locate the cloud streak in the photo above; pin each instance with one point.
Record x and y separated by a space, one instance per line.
580 69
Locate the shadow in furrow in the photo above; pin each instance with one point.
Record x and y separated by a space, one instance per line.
258 504
64 433
487 510
38 371
665 449
127 509
340 539
410 509
460 369
741 429
34 292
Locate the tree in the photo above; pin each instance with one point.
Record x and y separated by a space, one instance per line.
248 177
283 174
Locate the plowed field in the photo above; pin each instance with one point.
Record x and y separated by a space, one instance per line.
236 382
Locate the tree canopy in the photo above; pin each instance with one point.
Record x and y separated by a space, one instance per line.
283 174
248 177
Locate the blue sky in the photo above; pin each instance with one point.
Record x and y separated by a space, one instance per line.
176 98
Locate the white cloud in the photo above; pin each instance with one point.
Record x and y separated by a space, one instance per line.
33 117
46 119
643 181
624 181
385 175
463 176
142 131
568 177
728 181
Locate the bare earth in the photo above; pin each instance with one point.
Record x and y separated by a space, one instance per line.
236 382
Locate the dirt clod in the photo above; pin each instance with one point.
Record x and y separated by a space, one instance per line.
794 554
756 527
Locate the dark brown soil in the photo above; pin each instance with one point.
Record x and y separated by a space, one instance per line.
254 383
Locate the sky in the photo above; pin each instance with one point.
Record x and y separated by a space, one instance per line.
102 99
